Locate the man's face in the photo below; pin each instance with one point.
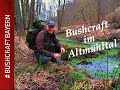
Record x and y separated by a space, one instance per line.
50 29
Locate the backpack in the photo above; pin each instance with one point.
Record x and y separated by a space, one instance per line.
38 25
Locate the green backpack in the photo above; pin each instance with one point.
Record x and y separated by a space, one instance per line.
38 25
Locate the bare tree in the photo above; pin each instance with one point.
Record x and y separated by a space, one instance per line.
83 15
31 14
38 7
98 9
114 4
26 8
23 13
18 19
60 13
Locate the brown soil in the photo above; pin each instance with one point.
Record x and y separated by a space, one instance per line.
28 76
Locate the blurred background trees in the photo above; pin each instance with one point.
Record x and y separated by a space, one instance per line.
65 12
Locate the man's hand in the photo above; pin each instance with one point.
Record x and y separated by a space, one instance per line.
56 56
62 50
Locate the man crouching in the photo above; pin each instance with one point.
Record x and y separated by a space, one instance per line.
48 46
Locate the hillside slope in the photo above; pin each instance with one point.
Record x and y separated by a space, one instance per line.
29 75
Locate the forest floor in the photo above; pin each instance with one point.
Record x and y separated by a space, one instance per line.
29 75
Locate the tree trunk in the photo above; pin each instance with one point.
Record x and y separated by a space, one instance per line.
32 11
58 14
83 16
62 15
38 8
31 14
98 10
40 3
23 14
26 4
18 19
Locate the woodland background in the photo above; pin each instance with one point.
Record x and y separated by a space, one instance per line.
102 69
66 12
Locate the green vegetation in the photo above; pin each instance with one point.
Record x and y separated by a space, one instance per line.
76 43
77 76
72 43
63 75
108 53
75 80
